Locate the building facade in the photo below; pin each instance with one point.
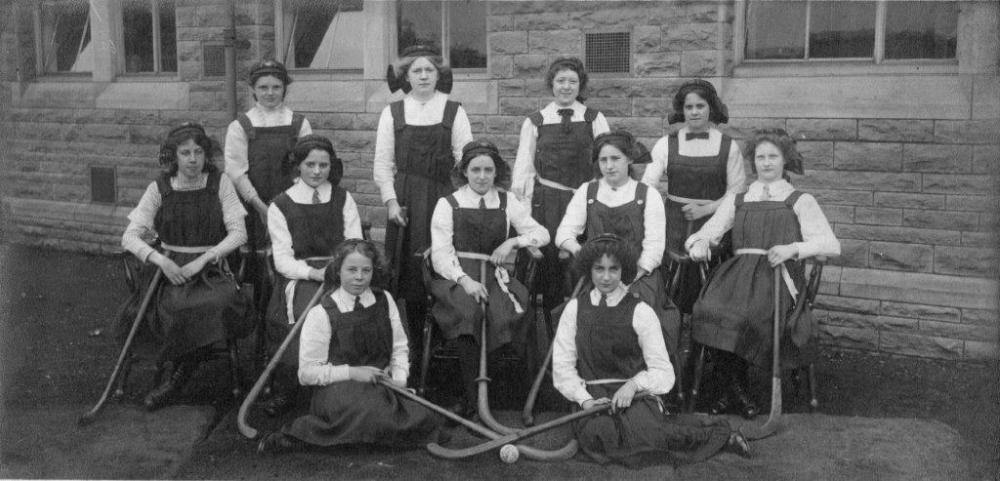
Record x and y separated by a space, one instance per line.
895 105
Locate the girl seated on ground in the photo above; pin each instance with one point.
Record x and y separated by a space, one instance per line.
609 348
348 344
478 218
305 222
772 223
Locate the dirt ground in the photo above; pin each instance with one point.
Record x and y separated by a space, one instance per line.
57 352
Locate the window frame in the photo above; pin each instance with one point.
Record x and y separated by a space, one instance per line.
877 63
39 48
154 5
305 72
463 73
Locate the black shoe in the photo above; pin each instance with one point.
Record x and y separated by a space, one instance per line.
277 443
161 395
280 403
737 444
744 405
722 406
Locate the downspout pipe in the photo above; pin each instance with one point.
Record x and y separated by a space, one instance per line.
230 50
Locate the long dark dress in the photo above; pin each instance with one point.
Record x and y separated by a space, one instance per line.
267 148
209 308
693 178
456 313
608 348
315 229
628 222
355 412
424 160
735 311
562 155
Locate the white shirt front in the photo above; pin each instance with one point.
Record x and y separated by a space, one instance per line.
314 343
658 378
574 222
736 176
282 245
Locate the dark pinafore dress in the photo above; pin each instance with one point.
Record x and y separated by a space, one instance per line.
209 308
608 350
690 177
563 156
316 229
628 221
735 311
349 412
424 160
457 313
267 148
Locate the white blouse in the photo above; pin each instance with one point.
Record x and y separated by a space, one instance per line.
417 113
574 222
736 176
237 145
314 343
282 247
443 253
658 378
817 236
523 176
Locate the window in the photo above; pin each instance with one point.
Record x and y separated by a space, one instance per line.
149 36
62 36
876 30
321 34
457 28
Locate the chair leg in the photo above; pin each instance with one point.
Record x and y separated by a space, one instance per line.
234 368
813 401
425 356
699 365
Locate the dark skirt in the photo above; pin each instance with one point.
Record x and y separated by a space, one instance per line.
642 435
352 412
548 206
457 314
278 322
651 290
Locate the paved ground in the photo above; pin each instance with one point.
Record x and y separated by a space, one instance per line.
885 418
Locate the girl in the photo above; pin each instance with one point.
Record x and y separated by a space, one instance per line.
552 160
477 218
772 223
617 204
306 223
419 141
198 217
348 343
258 141
702 164
609 347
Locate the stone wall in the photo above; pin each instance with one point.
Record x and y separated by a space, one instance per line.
904 165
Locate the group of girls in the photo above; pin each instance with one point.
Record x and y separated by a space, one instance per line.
616 340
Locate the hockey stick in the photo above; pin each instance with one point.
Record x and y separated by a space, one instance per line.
771 426
89 416
241 418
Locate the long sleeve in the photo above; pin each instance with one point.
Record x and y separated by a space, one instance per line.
575 220
736 176
817 236
523 175
658 164
443 254
717 225
461 134
565 376
281 246
352 219
530 232
654 239
141 223
658 378
233 215
384 163
600 125
399 365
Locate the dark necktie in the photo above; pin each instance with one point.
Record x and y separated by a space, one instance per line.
315 196
357 303
482 202
696 135
567 116
604 301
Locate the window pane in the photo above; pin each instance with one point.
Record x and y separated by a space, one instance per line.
168 36
468 34
419 24
842 30
921 29
137 32
324 34
776 30
66 36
